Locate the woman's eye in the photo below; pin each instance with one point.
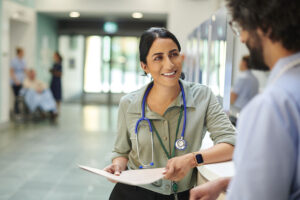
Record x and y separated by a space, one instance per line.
174 54
158 58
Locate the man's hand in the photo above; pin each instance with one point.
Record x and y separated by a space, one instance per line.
178 167
210 190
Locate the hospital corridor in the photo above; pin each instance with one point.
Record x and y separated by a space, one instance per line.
40 161
149 100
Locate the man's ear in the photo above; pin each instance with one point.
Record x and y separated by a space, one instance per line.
144 67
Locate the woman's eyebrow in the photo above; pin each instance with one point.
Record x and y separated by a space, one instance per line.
158 53
173 50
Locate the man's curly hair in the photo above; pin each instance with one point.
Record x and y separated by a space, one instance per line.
278 18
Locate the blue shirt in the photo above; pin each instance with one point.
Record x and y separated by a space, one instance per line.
246 87
18 65
267 152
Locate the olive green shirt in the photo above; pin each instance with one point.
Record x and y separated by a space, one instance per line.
204 113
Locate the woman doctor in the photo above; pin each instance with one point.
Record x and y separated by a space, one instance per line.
163 124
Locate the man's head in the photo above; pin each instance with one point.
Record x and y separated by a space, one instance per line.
275 22
244 64
31 74
20 52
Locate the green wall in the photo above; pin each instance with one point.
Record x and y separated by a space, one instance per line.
46 45
0 54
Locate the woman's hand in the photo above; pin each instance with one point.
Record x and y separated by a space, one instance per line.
119 164
178 167
114 169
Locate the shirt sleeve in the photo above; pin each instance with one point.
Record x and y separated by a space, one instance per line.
238 86
218 125
264 156
122 144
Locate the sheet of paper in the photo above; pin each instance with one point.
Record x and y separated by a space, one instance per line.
131 177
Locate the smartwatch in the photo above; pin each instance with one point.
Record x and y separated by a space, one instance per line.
198 158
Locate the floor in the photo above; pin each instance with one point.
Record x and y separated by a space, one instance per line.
38 161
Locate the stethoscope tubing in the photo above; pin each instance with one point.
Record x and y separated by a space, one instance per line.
143 118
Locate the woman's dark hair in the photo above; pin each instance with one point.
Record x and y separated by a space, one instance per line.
59 56
148 38
278 18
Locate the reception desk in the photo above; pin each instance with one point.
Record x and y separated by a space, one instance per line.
214 171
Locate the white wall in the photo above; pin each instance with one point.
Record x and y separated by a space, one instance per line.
26 17
103 6
183 15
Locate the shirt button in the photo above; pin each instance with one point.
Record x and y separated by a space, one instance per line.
165 138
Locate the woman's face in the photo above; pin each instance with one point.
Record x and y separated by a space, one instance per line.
55 57
164 62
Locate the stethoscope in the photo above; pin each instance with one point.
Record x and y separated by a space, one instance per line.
180 143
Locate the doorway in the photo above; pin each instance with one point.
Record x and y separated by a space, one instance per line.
112 65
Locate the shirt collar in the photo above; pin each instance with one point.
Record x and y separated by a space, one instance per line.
136 105
281 63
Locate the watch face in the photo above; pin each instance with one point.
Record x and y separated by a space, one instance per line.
199 158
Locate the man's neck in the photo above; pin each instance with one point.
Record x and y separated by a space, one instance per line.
275 52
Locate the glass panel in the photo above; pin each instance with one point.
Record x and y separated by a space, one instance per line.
112 65
92 69
125 70
106 50
117 65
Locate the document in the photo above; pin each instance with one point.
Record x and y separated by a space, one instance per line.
131 177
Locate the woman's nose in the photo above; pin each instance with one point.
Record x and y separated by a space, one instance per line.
168 63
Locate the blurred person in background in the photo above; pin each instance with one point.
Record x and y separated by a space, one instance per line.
55 84
245 87
267 152
17 76
37 95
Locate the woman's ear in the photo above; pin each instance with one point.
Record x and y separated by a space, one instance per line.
144 67
182 56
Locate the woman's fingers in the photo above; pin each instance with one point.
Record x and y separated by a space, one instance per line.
170 170
117 170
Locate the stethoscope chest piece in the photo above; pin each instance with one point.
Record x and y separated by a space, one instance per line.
181 144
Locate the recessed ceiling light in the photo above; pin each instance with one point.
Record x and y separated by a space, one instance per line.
74 14
137 15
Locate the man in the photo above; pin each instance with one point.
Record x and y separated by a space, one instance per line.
267 153
17 75
245 87
37 95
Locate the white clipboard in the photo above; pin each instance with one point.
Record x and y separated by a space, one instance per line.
131 177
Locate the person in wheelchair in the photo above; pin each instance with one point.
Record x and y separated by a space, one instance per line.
37 95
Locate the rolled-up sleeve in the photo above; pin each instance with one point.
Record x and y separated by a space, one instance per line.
122 144
218 124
